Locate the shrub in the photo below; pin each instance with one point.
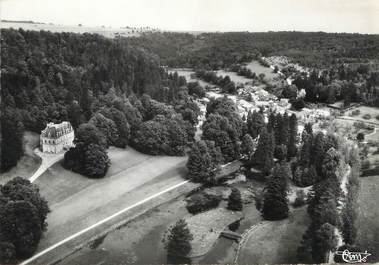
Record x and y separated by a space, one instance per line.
301 198
355 112
297 104
360 137
366 116
202 202
377 117
234 226
235 201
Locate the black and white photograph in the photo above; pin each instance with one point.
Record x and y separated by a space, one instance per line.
158 132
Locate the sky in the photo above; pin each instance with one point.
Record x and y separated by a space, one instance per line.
204 15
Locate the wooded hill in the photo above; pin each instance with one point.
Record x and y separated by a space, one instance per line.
220 50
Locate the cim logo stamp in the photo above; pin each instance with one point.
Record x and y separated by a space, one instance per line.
353 257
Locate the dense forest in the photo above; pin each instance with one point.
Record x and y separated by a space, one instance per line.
220 50
110 84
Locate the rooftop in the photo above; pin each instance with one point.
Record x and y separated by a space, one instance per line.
53 130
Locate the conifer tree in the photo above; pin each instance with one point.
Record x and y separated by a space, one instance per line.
292 138
264 154
255 123
280 152
318 152
235 201
275 203
305 151
178 239
247 146
330 163
325 241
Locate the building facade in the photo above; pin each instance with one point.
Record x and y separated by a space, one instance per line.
57 137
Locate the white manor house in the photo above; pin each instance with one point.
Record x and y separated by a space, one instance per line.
57 137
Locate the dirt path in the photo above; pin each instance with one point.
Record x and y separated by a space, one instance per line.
47 161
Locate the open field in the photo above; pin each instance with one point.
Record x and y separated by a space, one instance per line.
206 227
108 32
368 216
57 183
28 163
372 112
257 68
234 77
187 74
275 242
77 202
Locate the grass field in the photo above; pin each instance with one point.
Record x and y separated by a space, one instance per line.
275 242
187 74
77 202
28 163
364 110
257 68
234 77
368 217
57 183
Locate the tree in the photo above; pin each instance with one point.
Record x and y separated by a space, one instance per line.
12 131
318 152
75 114
325 241
22 219
96 161
292 142
289 91
307 177
178 239
88 134
247 146
264 154
305 151
219 129
275 203
7 253
162 135
89 156
360 137
330 163
203 161
280 152
255 123
234 200
106 126
22 189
